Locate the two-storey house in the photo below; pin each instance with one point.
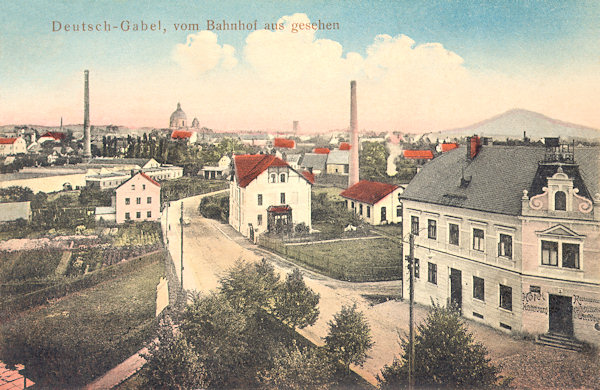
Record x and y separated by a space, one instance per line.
137 199
266 194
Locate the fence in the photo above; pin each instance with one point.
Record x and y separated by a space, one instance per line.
331 265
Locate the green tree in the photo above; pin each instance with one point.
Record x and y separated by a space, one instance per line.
446 355
349 336
373 161
296 304
172 362
298 369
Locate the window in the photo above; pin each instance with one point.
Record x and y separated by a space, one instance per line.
259 219
149 200
127 201
432 273
478 288
346 203
560 201
550 253
273 178
399 211
478 236
360 207
352 205
368 211
570 256
432 229
506 297
505 246
138 214
282 177
138 200
383 214
259 200
143 187
133 186
282 197
414 225
149 214
127 216
453 237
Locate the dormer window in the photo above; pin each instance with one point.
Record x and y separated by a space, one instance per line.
560 201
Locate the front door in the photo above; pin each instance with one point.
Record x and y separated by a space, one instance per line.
251 232
456 289
560 315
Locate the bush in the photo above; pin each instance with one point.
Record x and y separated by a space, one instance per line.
215 207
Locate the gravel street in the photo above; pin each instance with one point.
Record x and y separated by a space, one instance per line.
210 248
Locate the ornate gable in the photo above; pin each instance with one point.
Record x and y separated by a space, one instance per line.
559 231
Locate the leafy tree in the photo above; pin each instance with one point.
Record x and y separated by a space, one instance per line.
373 161
446 355
15 194
296 304
172 362
250 286
349 336
297 369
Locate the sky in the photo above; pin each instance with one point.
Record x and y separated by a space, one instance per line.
419 65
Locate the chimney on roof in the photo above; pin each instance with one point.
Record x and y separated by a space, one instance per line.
353 177
87 136
473 146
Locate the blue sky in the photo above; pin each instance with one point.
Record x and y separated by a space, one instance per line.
548 48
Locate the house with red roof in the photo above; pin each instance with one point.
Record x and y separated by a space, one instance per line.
52 136
420 155
284 143
448 146
184 135
11 146
137 199
266 194
376 203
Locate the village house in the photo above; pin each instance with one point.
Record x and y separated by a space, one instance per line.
376 203
315 163
511 237
266 194
12 146
338 162
137 199
221 171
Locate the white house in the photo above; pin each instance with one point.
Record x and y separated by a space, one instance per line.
138 199
266 194
510 236
377 203
13 145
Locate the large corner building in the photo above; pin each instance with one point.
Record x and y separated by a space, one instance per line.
510 236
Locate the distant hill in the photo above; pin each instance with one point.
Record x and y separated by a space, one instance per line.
512 123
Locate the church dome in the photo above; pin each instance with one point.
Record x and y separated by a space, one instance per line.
178 118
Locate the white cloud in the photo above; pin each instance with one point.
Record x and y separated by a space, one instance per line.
201 53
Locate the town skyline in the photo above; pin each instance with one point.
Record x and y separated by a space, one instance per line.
426 67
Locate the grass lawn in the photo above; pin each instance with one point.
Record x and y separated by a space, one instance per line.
355 260
77 338
333 193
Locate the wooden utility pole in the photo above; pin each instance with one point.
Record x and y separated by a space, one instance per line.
181 223
411 324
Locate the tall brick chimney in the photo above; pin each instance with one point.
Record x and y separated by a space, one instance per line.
353 177
87 134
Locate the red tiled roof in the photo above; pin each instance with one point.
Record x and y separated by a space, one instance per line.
249 166
418 154
278 209
448 146
149 178
368 191
345 146
181 134
309 176
284 143
321 150
7 140
55 134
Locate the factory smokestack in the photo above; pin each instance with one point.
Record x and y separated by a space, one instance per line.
354 175
295 127
87 134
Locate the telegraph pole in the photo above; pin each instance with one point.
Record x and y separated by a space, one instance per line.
411 323
181 223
